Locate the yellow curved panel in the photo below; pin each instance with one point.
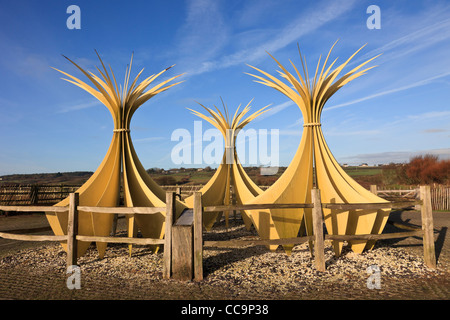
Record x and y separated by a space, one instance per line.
311 94
294 186
217 190
246 193
213 194
357 221
245 190
142 191
103 188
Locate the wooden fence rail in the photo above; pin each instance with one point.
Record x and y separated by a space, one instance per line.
34 194
440 195
440 198
318 237
183 242
72 227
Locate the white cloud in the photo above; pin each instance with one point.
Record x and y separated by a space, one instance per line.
431 30
415 40
149 139
389 91
352 133
274 110
80 106
393 156
304 24
429 115
201 36
435 130
307 22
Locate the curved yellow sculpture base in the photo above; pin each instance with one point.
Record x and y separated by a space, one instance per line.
103 188
216 191
311 94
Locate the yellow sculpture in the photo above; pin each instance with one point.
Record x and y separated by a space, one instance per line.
103 187
294 186
217 190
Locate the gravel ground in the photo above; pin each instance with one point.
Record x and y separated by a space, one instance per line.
231 273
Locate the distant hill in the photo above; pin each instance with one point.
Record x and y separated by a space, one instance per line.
182 176
69 178
178 176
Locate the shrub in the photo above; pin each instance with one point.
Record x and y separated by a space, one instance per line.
428 169
165 180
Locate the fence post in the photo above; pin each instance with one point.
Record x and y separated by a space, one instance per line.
417 196
233 200
61 188
373 189
72 230
34 194
179 192
170 213
198 237
114 225
319 255
427 227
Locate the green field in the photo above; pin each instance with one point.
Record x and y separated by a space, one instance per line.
363 171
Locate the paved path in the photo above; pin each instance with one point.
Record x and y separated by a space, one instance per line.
441 221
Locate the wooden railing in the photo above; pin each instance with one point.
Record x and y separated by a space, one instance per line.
34 194
183 242
440 195
195 264
46 195
72 226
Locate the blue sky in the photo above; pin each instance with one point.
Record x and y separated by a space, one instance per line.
399 109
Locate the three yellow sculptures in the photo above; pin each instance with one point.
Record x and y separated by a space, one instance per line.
294 185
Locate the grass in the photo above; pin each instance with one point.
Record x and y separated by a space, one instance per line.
363 171
67 178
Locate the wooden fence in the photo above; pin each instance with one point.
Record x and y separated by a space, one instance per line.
183 242
440 198
183 191
318 237
46 195
72 225
34 194
440 195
